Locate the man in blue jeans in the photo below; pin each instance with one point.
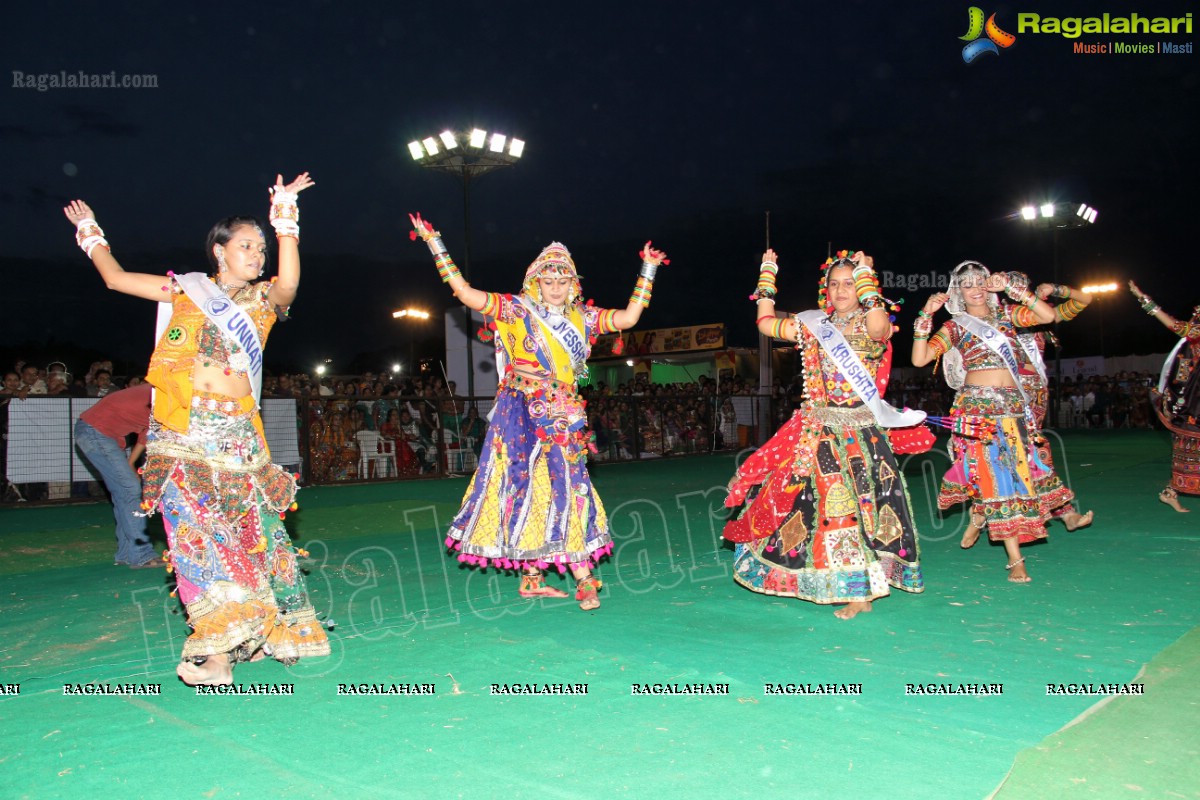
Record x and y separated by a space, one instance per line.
100 436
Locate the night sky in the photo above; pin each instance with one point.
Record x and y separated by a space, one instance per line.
856 123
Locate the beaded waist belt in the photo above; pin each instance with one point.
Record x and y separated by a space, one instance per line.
834 416
222 403
527 385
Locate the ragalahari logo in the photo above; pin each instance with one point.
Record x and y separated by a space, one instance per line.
976 28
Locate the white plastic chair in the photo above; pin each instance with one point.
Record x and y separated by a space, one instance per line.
371 447
462 458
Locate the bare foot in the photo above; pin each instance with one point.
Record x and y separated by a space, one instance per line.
971 534
1171 498
586 593
851 610
1076 521
533 584
215 671
1016 571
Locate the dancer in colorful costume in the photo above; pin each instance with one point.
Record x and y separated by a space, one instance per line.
207 466
1037 388
1177 401
998 469
531 503
826 515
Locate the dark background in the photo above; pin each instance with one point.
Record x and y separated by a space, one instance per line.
856 123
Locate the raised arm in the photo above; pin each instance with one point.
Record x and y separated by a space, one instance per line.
447 269
91 240
285 219
1153 309
866 285
1073 300
766 322
629 316
1016 286
922 353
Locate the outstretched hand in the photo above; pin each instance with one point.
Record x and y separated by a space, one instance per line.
996 282
1138 293
935 302
301 182
78 211
421 228
652 256
863 260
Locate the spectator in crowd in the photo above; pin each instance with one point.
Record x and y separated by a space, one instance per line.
473 427
31 381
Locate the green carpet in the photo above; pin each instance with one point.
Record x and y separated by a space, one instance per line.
1104 602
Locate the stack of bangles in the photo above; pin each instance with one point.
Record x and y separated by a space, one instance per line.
89 236
285 214
766 281
778 327
923 327
1148 305
866 286
1021 295
644 285
447 269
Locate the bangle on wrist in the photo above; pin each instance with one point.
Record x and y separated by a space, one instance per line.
641 292
284 215
89 236
649 270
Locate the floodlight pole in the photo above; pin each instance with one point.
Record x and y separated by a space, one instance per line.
465 161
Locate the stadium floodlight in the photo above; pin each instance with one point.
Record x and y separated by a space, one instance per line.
467 155
1028 213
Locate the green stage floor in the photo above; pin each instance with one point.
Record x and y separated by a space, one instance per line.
1110 605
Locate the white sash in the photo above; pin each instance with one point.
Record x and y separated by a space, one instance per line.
567 335
1029 345
861 381
233 323
1165 377
998 343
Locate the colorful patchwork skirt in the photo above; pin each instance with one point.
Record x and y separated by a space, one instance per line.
1004 478
831 521
1185 448
531 501
1053 494
222 502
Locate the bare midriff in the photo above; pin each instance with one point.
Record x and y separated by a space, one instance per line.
990 377
214 380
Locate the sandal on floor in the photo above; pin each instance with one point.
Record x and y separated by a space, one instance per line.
1017 563
585 592
533 584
